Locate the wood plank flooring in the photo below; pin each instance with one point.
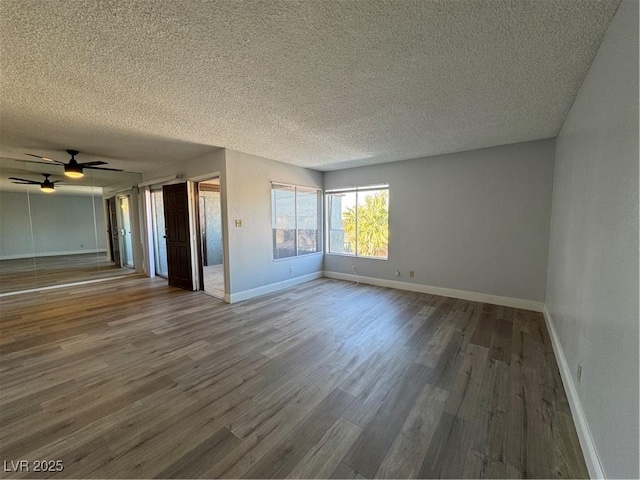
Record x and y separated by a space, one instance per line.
131 378
28 273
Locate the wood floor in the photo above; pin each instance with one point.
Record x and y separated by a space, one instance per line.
29 273
134 379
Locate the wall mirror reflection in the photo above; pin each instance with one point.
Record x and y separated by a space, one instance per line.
56 230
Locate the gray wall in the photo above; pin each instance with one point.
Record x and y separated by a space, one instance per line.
61 224
475 220
592 292
249 199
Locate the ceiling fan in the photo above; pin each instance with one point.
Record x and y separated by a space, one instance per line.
73 168
46 186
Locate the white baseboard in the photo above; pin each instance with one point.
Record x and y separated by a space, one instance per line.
580 420
445 292
52 254
273 287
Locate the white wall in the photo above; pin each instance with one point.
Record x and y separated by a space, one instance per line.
61 224
476 221
592 287
251 246
204 164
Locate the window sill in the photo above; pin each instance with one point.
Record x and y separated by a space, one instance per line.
357 256
297 256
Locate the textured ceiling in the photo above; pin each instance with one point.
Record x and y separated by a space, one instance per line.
322 84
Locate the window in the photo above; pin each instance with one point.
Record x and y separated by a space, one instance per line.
358 221
295 220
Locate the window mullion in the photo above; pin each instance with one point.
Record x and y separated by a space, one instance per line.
274 223
356 241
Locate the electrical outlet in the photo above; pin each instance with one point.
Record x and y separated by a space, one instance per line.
290 270
412 274
397 273
238 223
579 373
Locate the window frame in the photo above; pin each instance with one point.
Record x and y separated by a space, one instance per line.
319 240
356 190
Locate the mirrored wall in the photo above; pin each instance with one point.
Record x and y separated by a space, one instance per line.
83 230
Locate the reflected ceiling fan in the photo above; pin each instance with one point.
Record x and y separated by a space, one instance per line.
73 168
46 186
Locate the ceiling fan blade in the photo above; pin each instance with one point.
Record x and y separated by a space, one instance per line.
32 155
88 164
23 181
104 168
46 159
57 181
33 161
2 157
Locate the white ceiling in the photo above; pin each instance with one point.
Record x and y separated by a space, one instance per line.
322 84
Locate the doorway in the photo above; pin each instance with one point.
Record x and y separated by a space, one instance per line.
125 231
175 199
159 234
114 237
211 238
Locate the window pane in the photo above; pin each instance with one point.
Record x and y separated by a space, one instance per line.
308 202
359 222
283 219
373 223
342 223
295 220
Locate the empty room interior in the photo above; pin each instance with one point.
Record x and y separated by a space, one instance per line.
319 239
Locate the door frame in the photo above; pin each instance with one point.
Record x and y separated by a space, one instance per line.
137 228
225 234
193 224
199 233
154 241
121 225
148 251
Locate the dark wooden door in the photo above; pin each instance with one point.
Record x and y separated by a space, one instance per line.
176 222
114 232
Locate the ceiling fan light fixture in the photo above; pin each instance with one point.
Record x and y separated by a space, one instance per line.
47 186
73 171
